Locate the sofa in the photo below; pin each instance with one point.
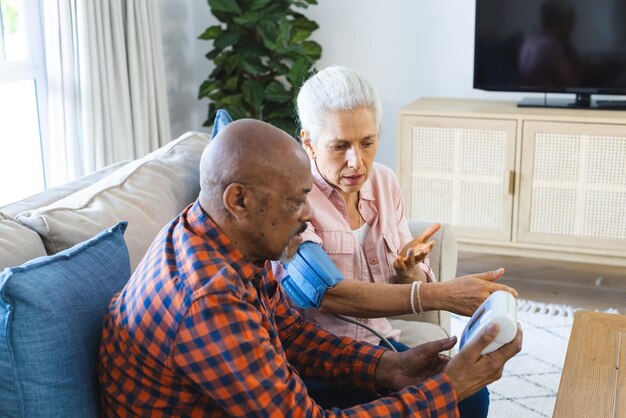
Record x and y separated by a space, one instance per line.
65 252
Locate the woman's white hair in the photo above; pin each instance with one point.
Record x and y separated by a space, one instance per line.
335 89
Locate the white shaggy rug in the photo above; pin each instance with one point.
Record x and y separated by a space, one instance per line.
531 379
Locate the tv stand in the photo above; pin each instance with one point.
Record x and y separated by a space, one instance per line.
582 101
611 104
535 182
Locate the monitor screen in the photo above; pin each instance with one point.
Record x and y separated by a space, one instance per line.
554 46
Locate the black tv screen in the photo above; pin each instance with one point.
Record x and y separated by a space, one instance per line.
551 46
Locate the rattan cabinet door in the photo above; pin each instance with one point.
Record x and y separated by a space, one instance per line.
573 186
458 171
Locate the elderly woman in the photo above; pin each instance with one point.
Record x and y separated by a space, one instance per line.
359 220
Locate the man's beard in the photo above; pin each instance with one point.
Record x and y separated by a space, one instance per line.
286 255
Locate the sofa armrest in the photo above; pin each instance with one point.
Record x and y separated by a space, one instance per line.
443 257
443 260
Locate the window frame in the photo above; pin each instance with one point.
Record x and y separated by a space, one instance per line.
32 68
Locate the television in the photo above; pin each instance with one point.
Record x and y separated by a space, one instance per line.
552 46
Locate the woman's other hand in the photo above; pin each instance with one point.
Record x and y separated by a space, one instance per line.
463 295
407 262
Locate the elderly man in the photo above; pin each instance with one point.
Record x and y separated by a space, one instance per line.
202 327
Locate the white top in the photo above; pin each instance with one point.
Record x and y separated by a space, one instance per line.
361 233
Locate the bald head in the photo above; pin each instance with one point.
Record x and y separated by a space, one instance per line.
254 182
248 151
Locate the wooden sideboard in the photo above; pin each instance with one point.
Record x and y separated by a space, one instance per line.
546 183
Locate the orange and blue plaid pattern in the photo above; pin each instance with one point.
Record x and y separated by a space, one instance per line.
200 330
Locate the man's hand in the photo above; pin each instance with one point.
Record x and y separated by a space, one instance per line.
397 370
469 370
463 295
413 253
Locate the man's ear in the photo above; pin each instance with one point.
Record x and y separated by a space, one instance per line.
236 199
307 144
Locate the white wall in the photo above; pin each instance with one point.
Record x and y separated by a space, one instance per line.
182 21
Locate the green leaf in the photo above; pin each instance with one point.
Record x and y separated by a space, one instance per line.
267 29
227 39
253 68
211 32
275 92
284 29
229 6
218 73
251 52
221 58
312 49
300 35
259 4
204 89
212 54
231 83
253 94
272 46
294 52
304 23
284 111
217 95
237 111
278 68
276 10
207 87
298 72
248 19
233 99
231 64
304 4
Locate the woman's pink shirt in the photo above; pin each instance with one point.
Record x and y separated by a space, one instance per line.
381 206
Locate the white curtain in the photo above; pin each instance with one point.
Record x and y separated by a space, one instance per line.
107 98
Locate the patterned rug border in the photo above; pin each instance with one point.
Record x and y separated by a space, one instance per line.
553 309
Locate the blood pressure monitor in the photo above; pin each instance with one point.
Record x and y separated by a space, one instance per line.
499 308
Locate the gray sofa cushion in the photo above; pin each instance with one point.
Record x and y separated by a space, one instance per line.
18 243
59 192
147 193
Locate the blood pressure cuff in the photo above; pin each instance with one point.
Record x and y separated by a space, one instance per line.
311 273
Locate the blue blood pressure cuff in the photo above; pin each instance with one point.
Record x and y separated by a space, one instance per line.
311 273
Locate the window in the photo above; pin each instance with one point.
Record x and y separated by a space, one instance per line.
22 100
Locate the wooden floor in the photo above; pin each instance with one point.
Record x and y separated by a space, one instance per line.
586 286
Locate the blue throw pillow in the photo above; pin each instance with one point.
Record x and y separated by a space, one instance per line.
222 118
51 311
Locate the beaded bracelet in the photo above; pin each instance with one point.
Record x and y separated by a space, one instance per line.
416 285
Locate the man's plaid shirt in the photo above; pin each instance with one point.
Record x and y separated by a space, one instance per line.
200 330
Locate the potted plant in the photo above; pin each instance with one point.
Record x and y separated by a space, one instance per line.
262 53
